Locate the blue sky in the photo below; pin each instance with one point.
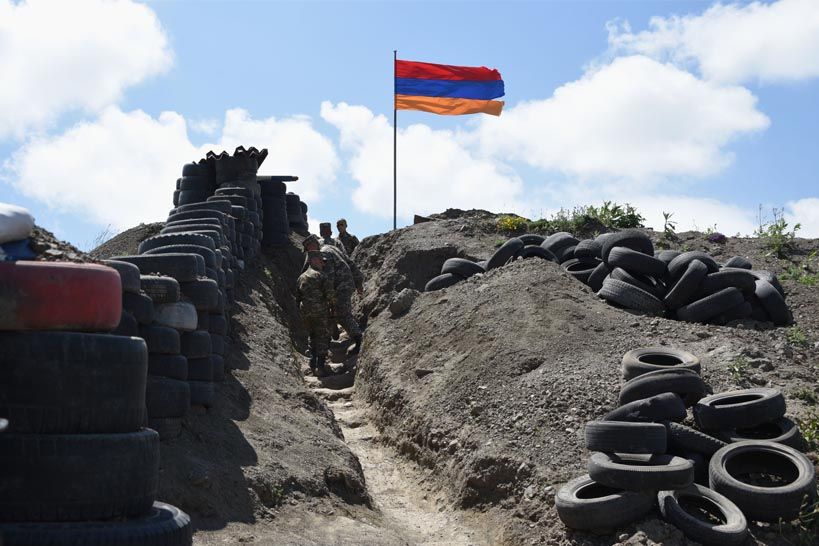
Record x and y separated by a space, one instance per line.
683 114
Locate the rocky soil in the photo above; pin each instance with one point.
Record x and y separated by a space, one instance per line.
489 383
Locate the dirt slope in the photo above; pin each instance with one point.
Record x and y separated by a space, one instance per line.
489 383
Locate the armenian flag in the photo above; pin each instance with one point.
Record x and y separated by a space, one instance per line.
446 89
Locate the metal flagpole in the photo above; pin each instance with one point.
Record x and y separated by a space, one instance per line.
394 146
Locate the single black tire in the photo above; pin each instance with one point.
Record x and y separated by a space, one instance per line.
678 265
745 408
565 254
773 302
219 239
195 344
662 407
197 214
685 383
641 472
682 438
636 262
630 297
182 267
195 183
202 293
140 306
200 369
128 273
628 238
700 463
215 222
711 306
166 397
580 269
176 239
728 277
163 525
186 197
625 437
649 359
217 362
505 253
537 252
218 344
202 393
180 316
203 320
532 239
782 431
442 281
72 383
643 282
170 366
78 477
767 276
556 243
596 278
218 324
222 206
585 505
588 248
160 289
704 515
666 256
128 325
161 339
685 289
461 267
740 262
742 311
738 470
168 428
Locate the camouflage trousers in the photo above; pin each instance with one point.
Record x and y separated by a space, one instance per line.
318 328
344 314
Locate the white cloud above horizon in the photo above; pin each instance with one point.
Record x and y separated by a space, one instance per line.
120 169
732 43
73 56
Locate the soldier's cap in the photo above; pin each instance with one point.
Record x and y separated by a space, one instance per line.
310 239
324 225
312 254
341 222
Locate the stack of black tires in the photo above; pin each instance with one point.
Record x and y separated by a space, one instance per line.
296 213
275 226
76 464
740 461
624 269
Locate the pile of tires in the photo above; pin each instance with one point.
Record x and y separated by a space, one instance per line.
296 213
624 269
455 270
276 225
740 462
77 466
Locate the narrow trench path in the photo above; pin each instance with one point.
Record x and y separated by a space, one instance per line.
396 485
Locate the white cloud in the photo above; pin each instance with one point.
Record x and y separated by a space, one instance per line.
769 42
58 56
435 170
208 127
295 148
121 168
634 119
694 213
805 212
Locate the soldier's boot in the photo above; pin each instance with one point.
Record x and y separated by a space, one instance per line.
357 348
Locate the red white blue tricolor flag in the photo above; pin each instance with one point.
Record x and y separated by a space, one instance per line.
446 89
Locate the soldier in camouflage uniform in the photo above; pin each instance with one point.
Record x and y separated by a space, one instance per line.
346 277
348 241
315 296
326 233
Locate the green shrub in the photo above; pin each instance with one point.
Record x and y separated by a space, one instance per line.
588 220
512 224
796 336
775 235
804 273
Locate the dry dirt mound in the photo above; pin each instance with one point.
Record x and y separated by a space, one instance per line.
490 382
126 243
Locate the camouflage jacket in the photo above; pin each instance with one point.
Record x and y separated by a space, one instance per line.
347 275
315 293
349 242
330 241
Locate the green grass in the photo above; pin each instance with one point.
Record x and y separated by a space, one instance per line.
580 221
796 336
739 370
775 233
809 426
805 272
808 396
